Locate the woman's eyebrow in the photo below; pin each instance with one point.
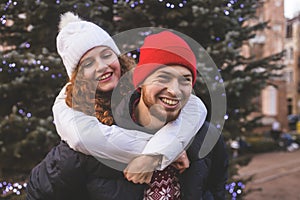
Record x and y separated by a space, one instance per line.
105 49
86 60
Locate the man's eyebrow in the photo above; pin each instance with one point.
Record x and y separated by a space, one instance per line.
170 73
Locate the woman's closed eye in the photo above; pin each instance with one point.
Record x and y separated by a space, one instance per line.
87 63
107 54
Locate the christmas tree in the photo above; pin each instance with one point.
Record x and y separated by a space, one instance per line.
31 75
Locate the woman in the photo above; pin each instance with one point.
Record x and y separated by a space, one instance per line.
55 178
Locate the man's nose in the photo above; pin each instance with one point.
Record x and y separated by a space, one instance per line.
174 88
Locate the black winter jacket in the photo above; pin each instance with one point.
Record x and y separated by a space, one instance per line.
65 174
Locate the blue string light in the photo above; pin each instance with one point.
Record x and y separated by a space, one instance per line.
235 189
168 4
171 5
12 188
226 116
3 20
7 5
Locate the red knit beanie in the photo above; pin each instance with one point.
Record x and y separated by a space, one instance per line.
161 49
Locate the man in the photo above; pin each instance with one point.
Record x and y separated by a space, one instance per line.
164 78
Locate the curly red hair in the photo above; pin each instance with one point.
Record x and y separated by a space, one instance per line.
81 94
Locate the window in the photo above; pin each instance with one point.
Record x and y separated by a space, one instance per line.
289 30
269 101
290 106
291 52
289 77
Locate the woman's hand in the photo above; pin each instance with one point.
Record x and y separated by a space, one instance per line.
182 162
140 169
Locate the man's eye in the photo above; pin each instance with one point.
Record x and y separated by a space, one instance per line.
185 80
163 78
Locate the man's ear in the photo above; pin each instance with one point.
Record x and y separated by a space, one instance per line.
139 89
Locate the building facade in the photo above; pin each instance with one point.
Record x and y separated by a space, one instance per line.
292 62
273 99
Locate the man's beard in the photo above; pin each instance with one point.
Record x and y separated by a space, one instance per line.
159 112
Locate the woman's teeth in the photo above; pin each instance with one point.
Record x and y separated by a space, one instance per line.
105 76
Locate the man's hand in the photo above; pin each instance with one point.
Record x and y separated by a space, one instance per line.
140 169
182 162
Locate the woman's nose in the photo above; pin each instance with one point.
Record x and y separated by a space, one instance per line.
101 66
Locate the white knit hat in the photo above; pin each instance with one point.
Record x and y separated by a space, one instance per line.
76 37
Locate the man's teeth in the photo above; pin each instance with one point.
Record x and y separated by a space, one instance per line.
105 76
169 101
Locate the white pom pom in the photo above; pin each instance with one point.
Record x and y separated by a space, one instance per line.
67 18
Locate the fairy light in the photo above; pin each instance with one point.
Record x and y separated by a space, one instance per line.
226 116
7 5
171 5
235 189
9 188
3 20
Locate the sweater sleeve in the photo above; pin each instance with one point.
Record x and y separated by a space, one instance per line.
86 134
